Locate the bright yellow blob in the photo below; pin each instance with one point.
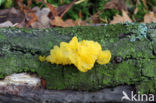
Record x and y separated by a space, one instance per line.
82 54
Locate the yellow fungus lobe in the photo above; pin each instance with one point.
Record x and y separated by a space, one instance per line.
82 54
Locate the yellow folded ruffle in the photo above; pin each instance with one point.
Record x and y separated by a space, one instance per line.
82 54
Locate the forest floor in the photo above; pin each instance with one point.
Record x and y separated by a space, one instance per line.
112 12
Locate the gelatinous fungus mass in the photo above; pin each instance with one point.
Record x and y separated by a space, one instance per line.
82 54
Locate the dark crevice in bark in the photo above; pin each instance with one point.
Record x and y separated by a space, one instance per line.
63 73
122 36
154 52
98 79
119 59
25 50
149 38
132 58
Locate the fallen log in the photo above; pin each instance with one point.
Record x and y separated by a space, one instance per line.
133 48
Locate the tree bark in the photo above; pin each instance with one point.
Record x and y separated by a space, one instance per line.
132 46
67 96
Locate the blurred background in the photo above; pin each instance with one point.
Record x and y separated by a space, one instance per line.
66 13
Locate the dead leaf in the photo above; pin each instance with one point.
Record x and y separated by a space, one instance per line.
43 16
50 6
29 13
95 18
136 11
29 2
67 8
145 4
6 24
80 22
149 17
57 21
80 1
61 10
121 19
154 9
33 19
116 4
38 25
13 15
52 9
69 23
60 23
61 1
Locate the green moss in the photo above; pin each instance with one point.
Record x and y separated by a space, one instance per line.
2 37
50 44
52 74
146 86
26 30
95 33
149 69
128 71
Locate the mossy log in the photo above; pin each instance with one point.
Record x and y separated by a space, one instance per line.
133 62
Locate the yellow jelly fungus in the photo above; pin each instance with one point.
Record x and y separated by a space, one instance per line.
82 54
